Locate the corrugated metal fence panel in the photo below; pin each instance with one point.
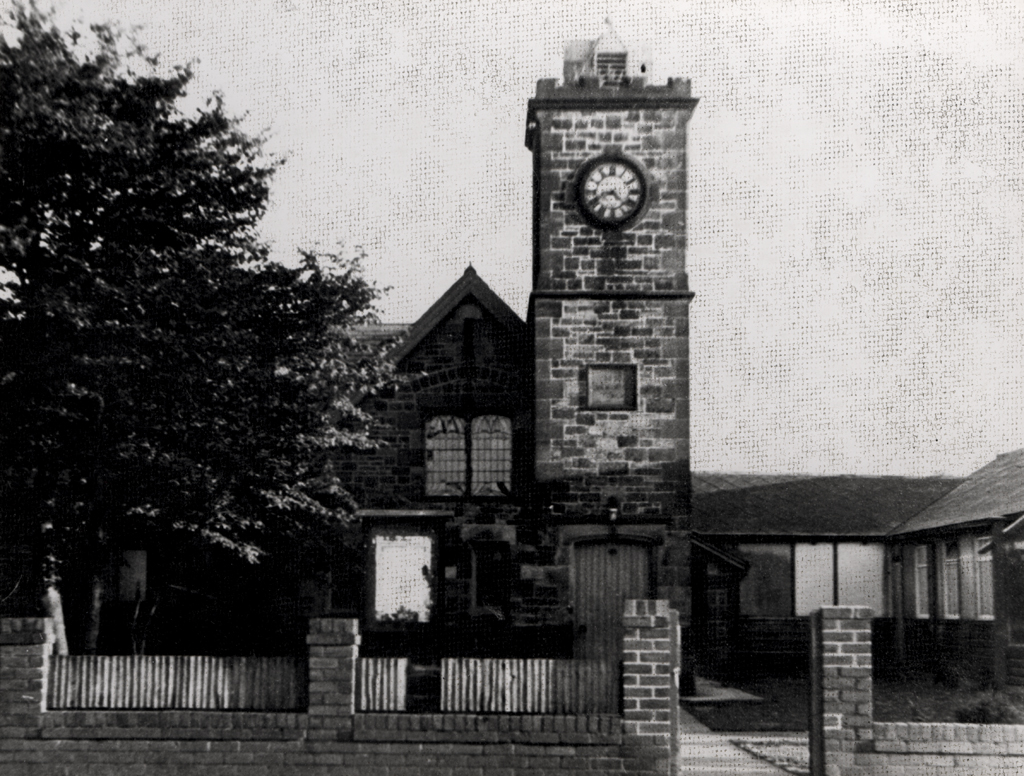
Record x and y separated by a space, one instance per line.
536 686
176 682
382 683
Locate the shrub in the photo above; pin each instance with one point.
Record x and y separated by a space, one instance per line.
958 676
952 676
990 710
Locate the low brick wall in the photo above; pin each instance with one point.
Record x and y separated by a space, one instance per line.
845 739
330 737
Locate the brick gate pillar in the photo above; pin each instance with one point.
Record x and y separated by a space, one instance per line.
650 691
840 711
333 650
26 644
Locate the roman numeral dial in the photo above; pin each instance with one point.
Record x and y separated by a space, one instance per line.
611 191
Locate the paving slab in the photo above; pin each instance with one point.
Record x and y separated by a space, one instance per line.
702 751
714 753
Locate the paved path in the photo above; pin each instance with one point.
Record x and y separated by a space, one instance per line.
703 752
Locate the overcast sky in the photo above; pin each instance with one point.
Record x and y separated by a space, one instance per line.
856 216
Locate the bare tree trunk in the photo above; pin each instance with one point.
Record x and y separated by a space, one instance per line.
97 591
140 626
54 607
92 623
53 604
99 555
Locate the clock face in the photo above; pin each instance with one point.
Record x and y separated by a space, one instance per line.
611 191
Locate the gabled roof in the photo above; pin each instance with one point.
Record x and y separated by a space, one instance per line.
469 284
733 559
994 491
812 506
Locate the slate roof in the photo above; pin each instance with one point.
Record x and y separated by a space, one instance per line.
810 505
709 482
406 336
994 491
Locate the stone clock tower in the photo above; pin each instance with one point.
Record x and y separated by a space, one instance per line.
610 303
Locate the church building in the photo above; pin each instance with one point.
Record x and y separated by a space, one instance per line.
537 473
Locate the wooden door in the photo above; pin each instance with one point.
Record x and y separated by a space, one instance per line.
606 574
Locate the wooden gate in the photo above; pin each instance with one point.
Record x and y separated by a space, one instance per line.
606 574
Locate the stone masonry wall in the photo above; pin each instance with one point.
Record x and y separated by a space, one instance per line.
845 739
572 125
611 298
641 457
331 736
441 381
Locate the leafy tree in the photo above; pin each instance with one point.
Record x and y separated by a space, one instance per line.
160 378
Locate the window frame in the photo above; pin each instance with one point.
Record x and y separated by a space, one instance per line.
471 489
814 572
922 589
859 575
983 559
951 587
496 584
402 527
755 553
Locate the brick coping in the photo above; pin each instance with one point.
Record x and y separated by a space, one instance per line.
948 738
546 730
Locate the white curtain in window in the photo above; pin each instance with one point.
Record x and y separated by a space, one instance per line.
983 575
922 596
951 580
814 576
861 575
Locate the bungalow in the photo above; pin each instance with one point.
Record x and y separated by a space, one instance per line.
956 568
770 549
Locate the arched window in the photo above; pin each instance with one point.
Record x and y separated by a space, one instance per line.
491 452
446 456
468 456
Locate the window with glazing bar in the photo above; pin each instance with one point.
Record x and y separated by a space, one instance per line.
468 456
